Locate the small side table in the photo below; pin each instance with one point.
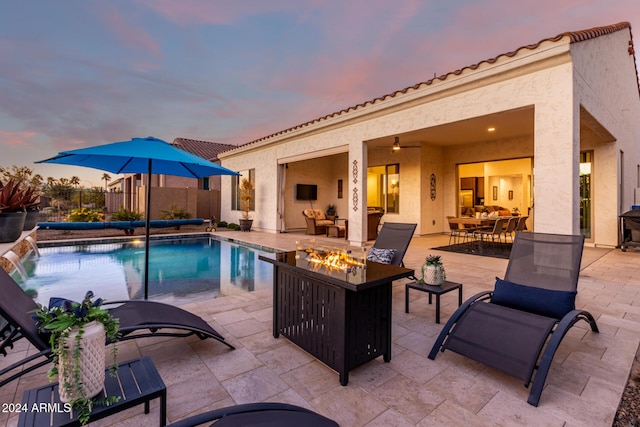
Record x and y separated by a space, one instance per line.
433 290
136 382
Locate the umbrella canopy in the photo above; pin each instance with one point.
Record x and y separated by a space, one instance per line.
141 155
133 156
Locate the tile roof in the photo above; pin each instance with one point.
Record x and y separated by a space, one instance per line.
205 149
574 37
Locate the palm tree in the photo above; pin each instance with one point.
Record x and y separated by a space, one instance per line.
75 181
106 178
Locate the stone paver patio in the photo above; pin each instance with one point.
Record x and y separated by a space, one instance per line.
584 386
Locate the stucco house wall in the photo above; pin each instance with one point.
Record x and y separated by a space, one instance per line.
554 82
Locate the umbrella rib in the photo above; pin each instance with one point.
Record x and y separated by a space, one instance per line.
125 165
190 171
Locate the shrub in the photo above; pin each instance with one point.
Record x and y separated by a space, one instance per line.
175 212
233 226
123 214
85 215
222 224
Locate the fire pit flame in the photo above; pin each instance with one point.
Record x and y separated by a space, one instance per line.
333 261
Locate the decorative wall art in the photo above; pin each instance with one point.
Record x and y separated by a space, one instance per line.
432 186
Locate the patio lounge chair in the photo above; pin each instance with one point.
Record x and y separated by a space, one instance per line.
395 236
259 414
534 305
138 319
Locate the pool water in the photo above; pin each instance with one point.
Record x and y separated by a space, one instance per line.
180 270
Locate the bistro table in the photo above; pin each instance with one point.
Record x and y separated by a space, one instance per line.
136 382
436 290
341 318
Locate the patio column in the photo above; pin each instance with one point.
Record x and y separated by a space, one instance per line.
357 193
556 166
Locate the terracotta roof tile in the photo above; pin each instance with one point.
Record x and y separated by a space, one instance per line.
205 149
574 36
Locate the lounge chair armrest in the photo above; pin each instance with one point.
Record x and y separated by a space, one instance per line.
561 330
437 346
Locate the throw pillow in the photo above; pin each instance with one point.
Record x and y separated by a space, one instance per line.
58 302
383 256
545 302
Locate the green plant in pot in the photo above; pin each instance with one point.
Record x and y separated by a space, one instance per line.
331 212
12 210
246 202
77 336
433 271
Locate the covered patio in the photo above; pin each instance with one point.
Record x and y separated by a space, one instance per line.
584 386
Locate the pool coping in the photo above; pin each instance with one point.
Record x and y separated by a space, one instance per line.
122 239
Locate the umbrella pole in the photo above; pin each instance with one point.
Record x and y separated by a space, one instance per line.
146 241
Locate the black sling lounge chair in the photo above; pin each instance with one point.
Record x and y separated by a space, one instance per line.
138 319
395 235
534 305
259 414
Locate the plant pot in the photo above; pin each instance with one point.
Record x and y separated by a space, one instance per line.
31 220
433 274
11 225
245 224
91 363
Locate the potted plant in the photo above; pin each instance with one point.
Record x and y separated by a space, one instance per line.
246 201
175 212
331 212
12 211
78 332
433 271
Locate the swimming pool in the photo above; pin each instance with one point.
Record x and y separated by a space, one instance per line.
180 270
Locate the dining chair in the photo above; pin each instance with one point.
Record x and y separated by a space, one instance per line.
497 231
456 231
522 223
511 228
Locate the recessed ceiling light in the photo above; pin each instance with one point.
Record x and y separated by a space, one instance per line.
491 129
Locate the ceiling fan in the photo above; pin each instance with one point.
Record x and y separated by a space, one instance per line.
396 145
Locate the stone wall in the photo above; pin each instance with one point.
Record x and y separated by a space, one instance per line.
21 248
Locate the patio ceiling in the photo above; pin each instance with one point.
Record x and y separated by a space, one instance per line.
507 124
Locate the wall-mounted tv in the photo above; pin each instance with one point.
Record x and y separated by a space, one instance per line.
306 192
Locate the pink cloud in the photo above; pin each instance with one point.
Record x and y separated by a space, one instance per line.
213 12
16 138
130 34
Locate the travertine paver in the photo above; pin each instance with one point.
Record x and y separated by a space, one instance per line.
584 386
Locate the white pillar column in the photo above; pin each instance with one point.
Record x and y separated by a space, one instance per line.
556 166
357 193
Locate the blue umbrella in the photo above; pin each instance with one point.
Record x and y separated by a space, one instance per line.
141 155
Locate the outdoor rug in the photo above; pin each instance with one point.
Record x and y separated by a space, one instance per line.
474 248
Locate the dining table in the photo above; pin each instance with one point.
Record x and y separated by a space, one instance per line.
478 222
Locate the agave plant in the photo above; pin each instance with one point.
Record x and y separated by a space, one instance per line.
14 199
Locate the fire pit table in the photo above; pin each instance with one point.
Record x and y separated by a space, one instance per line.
334 304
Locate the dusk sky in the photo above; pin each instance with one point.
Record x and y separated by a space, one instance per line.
76 73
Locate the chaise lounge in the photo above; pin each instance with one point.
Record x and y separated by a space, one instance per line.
517 327
138 319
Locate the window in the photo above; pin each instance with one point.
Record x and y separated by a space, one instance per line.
586 162
203 183
235 184
383 187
